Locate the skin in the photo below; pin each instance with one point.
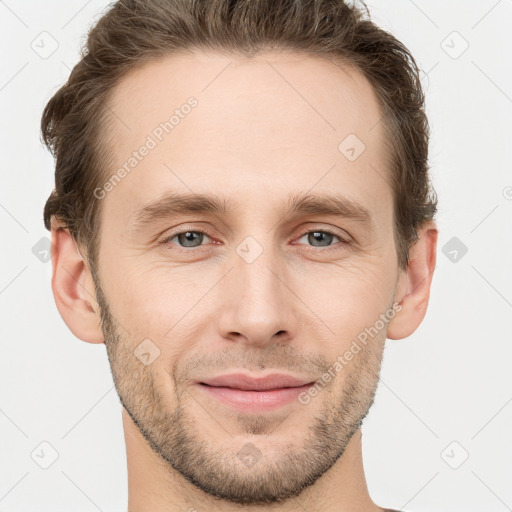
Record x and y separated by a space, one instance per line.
264 128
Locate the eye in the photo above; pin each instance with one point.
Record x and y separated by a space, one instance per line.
323 238
318 238
187 239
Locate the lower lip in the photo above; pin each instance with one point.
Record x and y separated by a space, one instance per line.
255 401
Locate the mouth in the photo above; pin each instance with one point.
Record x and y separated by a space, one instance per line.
254 395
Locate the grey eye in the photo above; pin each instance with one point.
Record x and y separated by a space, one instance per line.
319 238
189 238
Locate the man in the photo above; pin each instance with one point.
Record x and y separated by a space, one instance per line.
243 215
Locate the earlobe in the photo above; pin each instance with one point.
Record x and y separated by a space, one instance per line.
413 290
73 288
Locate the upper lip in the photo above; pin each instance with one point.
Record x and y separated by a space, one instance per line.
248 383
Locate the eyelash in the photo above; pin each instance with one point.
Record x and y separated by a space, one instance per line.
342 242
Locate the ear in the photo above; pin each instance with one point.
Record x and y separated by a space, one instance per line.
73 288
413 287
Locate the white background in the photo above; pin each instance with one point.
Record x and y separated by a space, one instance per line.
450 381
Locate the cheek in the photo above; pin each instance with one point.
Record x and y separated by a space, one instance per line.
347 300
157 305
142 293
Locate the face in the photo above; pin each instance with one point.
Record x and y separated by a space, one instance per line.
282 268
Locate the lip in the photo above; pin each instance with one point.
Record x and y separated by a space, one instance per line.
255 394
247 383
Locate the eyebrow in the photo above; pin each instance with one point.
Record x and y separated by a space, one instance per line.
335 205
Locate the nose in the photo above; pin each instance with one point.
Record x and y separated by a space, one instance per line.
258 307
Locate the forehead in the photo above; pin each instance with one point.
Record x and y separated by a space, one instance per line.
277 87
281 117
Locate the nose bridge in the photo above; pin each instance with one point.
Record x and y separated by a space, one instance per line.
260 304
259 284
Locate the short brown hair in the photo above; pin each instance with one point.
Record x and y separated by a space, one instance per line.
133 32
